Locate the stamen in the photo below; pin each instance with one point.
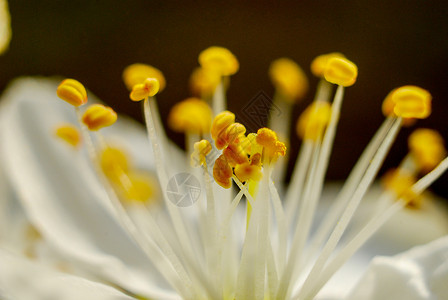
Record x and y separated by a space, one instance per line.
137 73
293 193
148 88
289 79
351 207
427 149
72 91
157 257
219 59
341 71
220 123
319 64
201 149
175 216
357 174
411 102
291 85
350 185
69 134
143 187
314 120
272 147
203 82
399 182
98 116
113 159
192 115
222 172
282 229
131 184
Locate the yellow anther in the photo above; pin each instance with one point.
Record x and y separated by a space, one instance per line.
201 150
137 73
319 64
140 187
288 78
280 149
235 154
190 115
114 162
266 137
220 60
221 122
388 109
70 134
341 71
72 91
272 148
203 82
233 134
313 121
150 87
427 148
400 182
248 171
98 116
410 102
222 172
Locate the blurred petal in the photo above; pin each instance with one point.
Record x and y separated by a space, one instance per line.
420 273
60 192
24 279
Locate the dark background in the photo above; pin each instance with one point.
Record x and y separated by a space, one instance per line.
393 43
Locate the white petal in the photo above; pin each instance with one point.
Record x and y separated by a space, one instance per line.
420 273
61 194
24 279
13 221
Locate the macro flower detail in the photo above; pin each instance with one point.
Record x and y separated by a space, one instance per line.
118 234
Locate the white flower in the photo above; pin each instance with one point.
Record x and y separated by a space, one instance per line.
88 252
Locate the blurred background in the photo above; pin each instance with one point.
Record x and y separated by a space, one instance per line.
393 43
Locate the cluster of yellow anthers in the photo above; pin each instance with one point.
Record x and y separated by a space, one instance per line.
96 116
241 154
127 180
